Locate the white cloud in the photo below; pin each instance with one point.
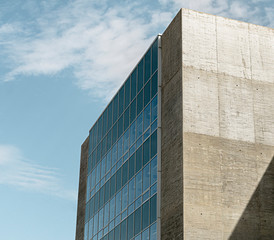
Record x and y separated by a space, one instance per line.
102 41
19 172
100 44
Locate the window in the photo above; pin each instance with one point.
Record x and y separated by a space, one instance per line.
112 186
124 173
140 81
146 147
118 203
127 92
118 180
138 187
121 100
107 186
139 159
130 227
112 208
101 197
147 93
139 125
137 221
126 119
131 191
124 229
146 174
131 166
153 208
133 110
132 133
115 108
140 101
126 141
153 146
124 197
147 65
147 117
153 170
109 115
133 84
117 232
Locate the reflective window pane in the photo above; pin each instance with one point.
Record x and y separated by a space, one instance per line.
147 65
118 179
132 114
126 119
131 191
138 182
118 203
147 117
132 133
133 84
124 230
121 100
153 171
90 227
124 197
112 209
126 141
154 104
139 158
153 208
106 214
130 226
101 219
137 221
140 101
153 232
115 108
146 148
120 147
145 234
131 166
153 147
117 232
146 174
147 93
154 56
127 92
124 173
140 81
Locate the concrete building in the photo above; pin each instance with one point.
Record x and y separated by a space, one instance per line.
211 175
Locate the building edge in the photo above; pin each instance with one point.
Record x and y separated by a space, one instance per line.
81 203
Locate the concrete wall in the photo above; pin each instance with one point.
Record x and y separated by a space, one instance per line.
80 224
171 133
228 128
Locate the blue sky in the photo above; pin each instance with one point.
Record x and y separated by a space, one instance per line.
61 61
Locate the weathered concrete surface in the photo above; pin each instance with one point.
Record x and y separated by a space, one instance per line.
80 224
171 137
228 128
220 177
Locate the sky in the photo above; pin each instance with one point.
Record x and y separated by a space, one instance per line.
60 63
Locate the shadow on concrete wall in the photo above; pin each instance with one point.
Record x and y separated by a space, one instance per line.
257 221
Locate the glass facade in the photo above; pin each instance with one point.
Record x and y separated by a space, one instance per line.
121 198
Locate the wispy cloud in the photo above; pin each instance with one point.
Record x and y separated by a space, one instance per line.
17 171
100 44
102 41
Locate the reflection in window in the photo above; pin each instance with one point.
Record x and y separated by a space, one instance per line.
124 197
131 191
146 174
138 188
118 203
112 208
